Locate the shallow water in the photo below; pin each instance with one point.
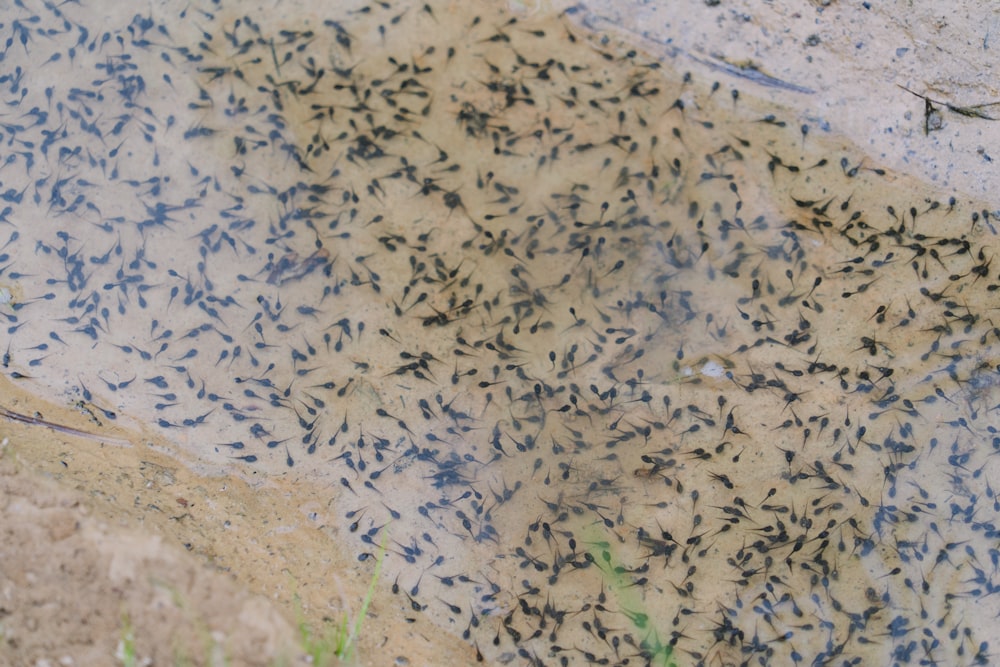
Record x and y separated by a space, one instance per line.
619 363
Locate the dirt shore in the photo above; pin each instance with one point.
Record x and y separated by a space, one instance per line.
106 536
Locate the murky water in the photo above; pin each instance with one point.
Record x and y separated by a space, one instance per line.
620 364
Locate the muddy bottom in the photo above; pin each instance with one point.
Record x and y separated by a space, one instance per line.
581 355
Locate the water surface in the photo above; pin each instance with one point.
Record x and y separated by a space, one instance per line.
621 364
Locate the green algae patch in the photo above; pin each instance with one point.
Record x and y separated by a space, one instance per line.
629 596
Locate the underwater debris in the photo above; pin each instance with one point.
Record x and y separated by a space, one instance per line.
932 115
752 72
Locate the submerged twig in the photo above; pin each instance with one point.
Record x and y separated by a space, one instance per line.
69 430
932 119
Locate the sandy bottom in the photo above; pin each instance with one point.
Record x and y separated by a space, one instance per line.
619 346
